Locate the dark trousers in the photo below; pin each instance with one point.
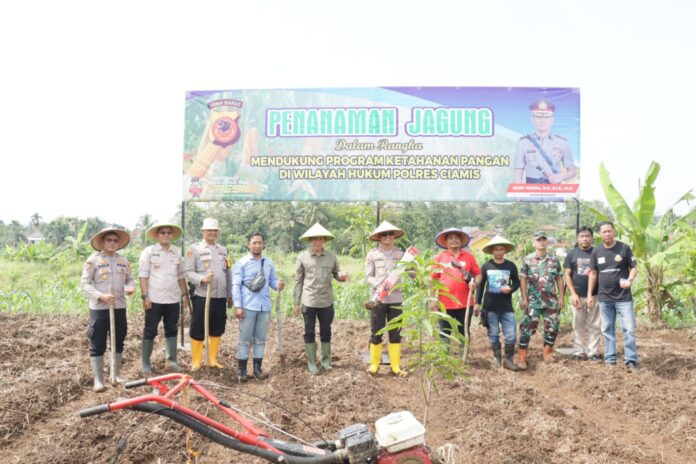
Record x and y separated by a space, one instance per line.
459 315
381 313
218 317
310 316
99 329
169 313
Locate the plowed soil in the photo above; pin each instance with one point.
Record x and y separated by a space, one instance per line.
567 412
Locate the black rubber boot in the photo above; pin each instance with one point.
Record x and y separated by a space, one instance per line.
242 374
496 353
509 352
258 373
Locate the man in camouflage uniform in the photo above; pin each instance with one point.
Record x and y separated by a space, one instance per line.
542 294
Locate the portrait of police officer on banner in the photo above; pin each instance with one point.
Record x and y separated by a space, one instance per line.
542 157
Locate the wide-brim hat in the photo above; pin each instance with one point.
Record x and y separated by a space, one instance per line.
152 231
210 224
440 239
496 241
317 230
386 227
97 240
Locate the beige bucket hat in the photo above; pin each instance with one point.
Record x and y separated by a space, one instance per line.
152 231
498 240
210 224
317 230
386 227
97 240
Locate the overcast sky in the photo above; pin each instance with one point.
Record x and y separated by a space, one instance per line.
91 119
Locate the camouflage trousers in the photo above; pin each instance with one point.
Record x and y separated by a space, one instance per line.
530 322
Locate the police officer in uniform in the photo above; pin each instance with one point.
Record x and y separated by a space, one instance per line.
207 264
106 279
543 157
162 285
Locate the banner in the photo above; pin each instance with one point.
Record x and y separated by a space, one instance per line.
386 143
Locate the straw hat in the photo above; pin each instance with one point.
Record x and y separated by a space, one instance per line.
210 224
152 231
97 240
498 240
441 238
386 227
317 230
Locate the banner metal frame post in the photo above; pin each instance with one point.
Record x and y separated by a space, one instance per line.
577 215
182 314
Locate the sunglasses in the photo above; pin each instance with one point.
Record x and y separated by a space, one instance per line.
386 234
111 240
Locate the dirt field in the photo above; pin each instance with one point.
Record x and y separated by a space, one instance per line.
567 412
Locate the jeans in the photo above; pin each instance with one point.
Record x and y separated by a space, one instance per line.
609 309
507 320
253 327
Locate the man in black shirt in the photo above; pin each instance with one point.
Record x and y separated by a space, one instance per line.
500 279
613 269
586 320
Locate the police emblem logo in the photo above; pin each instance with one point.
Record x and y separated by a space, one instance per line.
617 258
195 188
542 105
224 129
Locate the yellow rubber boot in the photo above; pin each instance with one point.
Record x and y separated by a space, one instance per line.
394 350
196 354
375 358
213 347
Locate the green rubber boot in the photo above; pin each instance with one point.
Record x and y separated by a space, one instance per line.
170 348
326 355
311 351
147 354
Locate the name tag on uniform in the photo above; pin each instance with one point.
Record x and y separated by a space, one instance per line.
600 260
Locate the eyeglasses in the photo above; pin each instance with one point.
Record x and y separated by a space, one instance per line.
165 232
386 234
111 240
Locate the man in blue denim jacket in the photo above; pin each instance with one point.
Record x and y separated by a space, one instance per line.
252 302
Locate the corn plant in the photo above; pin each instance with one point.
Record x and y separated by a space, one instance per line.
419 322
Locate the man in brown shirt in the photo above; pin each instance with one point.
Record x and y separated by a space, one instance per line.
314 294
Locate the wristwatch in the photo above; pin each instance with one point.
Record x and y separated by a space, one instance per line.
143 296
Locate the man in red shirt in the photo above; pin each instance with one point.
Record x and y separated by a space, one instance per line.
457 268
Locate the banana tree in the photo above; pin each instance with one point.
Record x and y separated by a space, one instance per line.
658 245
